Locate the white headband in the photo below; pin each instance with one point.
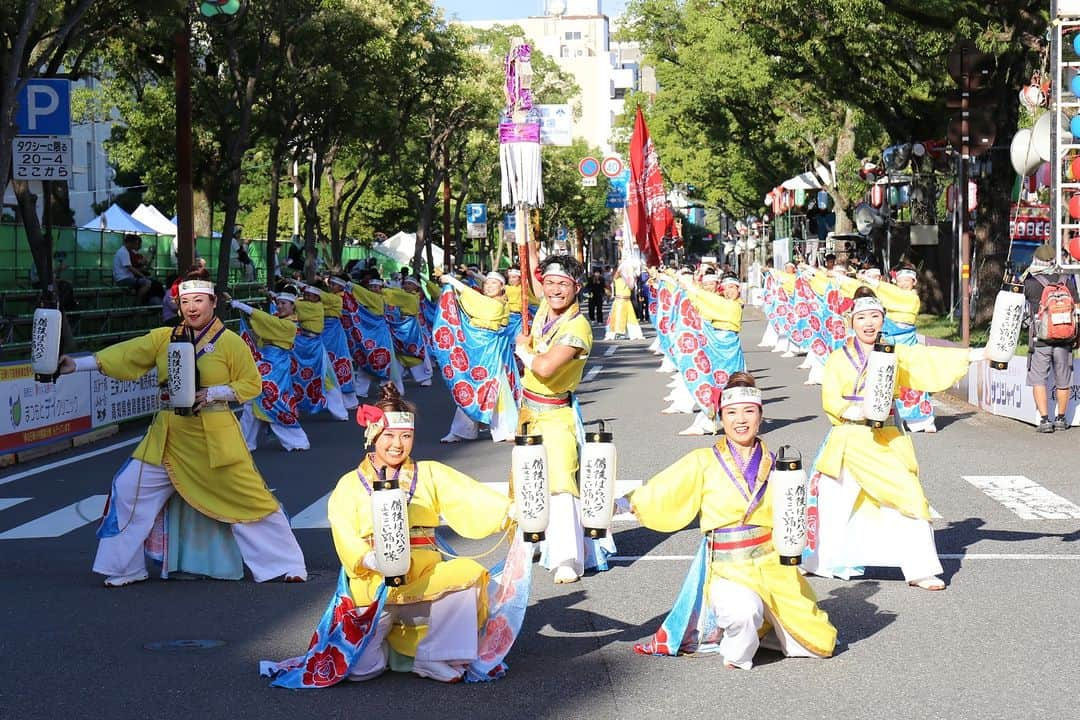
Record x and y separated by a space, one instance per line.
872 272
285 296
740 396
557 269
864 304
513 272
196 287
710 277
730 280
906 272
375 282
495 276
411 281
400 421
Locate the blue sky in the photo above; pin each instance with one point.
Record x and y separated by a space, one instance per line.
509 9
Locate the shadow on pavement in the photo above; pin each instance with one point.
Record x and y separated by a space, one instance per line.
861 618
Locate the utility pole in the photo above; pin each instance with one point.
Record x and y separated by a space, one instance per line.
446 209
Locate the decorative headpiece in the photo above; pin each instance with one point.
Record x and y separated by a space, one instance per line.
375 421
196 287
558 270
740 396
867 303
495 276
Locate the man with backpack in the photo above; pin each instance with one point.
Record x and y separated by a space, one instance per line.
1052 300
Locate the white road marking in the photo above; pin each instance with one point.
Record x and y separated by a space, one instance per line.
611 351
593 372
1025 497
5 503
68 461
313 516
59 522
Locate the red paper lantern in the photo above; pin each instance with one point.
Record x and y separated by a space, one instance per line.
1074 207
1074 168
1074 247
877 196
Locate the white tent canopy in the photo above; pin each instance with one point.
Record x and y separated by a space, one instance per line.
116 219
812 180
150 215
401 247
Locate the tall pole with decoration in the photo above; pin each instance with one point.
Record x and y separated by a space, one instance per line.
519 155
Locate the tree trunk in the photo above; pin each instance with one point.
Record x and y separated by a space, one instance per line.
272 219
40 244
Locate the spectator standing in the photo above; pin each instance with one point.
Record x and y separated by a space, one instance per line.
1048 362
597 288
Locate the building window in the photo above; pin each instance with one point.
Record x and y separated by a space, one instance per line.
572 35
564 52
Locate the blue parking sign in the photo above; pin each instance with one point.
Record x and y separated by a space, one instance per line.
45 107
476 213
509 222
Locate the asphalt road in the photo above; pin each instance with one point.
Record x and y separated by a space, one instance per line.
1001 642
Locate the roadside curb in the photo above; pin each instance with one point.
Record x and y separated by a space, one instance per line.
58 446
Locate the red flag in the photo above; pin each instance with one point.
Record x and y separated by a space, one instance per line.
646 202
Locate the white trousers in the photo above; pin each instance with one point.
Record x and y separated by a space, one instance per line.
464 427
667 366
681 399
704 423
268 546
291 437
449 645
565 537
335 403
781 344
872 536
349 398
361 383
817 373
422 373
740 612
654 346
769 338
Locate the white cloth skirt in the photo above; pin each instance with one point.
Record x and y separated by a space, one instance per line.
291 437
875 536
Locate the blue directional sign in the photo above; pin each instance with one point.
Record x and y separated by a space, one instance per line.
476 213
509 222
45 107
617 189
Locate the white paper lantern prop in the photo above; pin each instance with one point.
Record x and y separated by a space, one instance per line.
45 344
880 386
390 528
183 371
1009 307
788 485
531 491
597 489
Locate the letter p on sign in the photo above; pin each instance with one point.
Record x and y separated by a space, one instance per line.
45 107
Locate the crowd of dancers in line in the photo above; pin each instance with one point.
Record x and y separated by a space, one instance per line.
192 498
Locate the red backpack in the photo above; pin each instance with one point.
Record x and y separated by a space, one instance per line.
1055 319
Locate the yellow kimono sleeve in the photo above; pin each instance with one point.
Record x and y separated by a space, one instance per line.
349 513
787 281
671 499
902 306
408 303
471 508
434 289
131 359
332 304
836 381
848 286
819 283
370 299
485 312
931 369
717 308
311 316
273 330
244 376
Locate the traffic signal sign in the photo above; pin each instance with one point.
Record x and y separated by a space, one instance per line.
213 8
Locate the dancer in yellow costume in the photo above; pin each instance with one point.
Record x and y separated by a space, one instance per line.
748 595
622 321
430 624
866 502
554 356
201 456
276 409
406 304
488 310
513 291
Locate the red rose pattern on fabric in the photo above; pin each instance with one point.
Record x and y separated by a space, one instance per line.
325 668
459 359
444 338
478 373
379 358
463 393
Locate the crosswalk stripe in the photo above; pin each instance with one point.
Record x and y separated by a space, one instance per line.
313 516
5 503
593 372
59 522
611 351
1025 497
